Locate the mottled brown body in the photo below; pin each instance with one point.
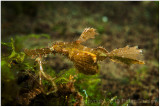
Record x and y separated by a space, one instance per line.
85 59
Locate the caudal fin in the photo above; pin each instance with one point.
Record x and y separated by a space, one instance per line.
127 55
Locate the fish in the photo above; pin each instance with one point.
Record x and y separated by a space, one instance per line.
86 59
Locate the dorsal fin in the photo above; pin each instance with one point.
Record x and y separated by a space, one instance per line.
87 34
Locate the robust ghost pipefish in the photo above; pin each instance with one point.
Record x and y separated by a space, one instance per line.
85 59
